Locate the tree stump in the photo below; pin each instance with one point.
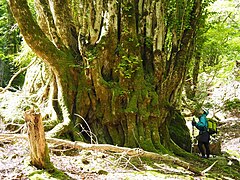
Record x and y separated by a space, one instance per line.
38 147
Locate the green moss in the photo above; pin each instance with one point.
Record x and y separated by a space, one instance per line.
99 112
132 105
144 93
118 91
147 145
179 132
231 171
154 97
48 174
115 136
152 107
144 113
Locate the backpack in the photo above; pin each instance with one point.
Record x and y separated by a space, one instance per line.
212 126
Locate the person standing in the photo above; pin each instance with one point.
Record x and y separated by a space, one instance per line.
204 136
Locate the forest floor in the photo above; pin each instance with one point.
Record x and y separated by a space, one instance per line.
88 164
107 165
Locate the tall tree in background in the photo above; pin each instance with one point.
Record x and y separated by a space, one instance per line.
217 49
9 42
119 64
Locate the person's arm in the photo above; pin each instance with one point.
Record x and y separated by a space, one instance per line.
201 125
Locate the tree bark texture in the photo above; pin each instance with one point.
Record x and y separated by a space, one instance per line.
119 64
38 146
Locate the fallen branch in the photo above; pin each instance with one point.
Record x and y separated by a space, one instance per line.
107 147
208 169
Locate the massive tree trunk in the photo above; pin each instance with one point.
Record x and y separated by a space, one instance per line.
118 64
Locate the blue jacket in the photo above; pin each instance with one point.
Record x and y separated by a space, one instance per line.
202 125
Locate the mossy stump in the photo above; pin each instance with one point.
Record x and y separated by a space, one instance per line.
39 153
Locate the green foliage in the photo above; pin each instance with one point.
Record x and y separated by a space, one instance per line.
129 65
217 47
9 32
221 42
149 42
128 9
91 54
10 42
31 5
232 106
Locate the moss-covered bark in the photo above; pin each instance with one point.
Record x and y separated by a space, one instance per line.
126 71
179 132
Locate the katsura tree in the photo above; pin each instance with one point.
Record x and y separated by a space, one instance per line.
117 65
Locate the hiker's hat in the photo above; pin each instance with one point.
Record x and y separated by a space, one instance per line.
205 110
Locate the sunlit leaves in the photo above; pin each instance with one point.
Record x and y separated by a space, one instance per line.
222 38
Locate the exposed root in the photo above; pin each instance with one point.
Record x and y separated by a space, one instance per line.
59 128
208 169
63 126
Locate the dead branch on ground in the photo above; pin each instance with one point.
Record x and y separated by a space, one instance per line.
209 168
111 148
